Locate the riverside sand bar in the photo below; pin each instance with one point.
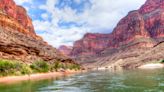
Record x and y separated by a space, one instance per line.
39 76
152 66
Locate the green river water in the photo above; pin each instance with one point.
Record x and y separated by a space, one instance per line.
96 81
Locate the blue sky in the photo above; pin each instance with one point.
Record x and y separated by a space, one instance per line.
61 22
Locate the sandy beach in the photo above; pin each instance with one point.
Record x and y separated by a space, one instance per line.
35 77
151 66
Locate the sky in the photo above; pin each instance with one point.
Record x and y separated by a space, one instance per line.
62 22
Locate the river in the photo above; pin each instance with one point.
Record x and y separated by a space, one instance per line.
96 81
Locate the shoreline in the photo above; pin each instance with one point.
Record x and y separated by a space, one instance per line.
37 77
152 66
42 76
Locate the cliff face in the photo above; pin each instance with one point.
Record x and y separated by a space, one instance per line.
18 13
147 22
90 44
140 28
65 50
137 39
18 40
126 58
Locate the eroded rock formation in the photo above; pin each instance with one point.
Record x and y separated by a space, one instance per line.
18 13
65 50
142 28
132 39
18 40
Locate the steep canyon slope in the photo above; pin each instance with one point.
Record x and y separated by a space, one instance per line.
18 40
133 42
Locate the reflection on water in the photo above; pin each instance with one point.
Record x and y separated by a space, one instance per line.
96 81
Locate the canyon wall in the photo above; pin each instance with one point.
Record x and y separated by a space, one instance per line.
143 28
137 39
18 40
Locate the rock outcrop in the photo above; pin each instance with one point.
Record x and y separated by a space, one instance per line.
18 40
128 58
18 13
91 44
65 50
147 22
143 28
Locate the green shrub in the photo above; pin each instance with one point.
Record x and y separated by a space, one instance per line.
162 61
58 65
55 66
76 67
26 69
40 66
8 67
73 67
63 66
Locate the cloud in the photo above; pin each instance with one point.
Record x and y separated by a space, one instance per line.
20 2
57 36
105 14
78 1
86 15
44 16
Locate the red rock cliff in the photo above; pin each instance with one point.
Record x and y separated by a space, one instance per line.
18 13
145 26
18 40
65 50
91 44
147 22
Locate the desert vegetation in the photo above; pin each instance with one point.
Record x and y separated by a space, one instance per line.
10 67
162 61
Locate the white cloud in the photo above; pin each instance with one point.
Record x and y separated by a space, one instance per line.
57 36
20 2
44 16
78 1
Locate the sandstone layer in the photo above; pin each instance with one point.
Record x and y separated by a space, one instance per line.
9 8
